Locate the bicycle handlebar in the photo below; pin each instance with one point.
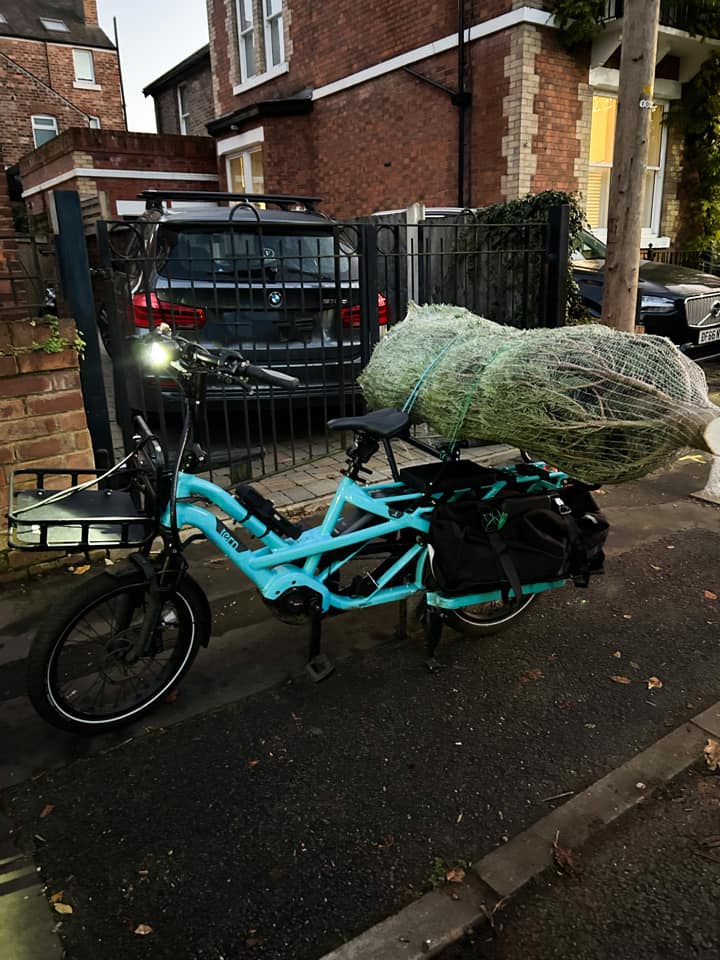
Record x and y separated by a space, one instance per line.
190 357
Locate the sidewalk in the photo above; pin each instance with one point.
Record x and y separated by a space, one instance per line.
649 887
262 816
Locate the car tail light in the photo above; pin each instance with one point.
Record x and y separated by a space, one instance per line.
149 310
351 315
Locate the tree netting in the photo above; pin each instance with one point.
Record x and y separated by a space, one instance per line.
602 405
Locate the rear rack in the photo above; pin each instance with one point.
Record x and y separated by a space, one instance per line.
154 198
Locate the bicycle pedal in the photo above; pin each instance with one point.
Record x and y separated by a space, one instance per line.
319 667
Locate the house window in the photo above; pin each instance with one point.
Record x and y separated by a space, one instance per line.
183 112
59 26
245 171
44 129
602 140
274 45
84 66
94 123
246 41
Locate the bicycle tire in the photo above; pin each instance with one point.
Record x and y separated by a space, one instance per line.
129 587
493 620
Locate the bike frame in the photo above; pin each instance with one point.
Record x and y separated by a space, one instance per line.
282 565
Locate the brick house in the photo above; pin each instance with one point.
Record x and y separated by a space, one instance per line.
374 105
183 96
58 69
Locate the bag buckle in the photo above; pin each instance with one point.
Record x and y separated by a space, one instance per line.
562 508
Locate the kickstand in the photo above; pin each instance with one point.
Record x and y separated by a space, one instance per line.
319 665
433 624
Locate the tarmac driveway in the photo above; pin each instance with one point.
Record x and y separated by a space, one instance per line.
283 823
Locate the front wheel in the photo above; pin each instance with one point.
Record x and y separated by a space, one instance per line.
486 619
89 670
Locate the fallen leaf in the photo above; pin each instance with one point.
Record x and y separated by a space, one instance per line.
712 754
654 683
109 562
254 941
627 616
48 808
81 569
535 674
695 457
253 763
62 907
617 654
56 897
709 595
621 679
172 696
590 726
655 567
455 875
634 664
143 929
565 859
669 546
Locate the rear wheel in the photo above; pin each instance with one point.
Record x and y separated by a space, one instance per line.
486 619
86 669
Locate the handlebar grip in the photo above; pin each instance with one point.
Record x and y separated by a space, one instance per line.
142 427
273 377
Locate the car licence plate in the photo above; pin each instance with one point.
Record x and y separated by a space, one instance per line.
707 336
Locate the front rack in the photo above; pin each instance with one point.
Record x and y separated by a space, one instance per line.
45 513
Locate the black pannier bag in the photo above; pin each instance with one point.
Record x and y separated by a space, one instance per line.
478 546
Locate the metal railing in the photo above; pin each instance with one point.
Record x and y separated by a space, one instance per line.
312 304
28 276
680 14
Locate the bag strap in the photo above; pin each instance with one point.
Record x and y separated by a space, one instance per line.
579 563
501 551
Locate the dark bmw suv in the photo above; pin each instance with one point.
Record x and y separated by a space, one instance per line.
269 277
673 301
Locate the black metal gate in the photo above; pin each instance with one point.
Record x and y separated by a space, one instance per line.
303 294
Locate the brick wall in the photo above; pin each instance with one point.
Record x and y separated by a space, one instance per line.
117 150
36 78
562 94
198 103
43 417
321 47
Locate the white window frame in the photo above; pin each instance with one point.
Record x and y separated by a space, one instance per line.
650 234
273 15
245 155
87 82
94 123
244 12
58 26
36 127
183 112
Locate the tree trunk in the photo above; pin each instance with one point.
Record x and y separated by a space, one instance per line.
635 105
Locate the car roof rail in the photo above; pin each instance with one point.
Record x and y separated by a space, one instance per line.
153 198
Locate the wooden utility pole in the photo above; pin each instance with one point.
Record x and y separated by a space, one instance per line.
635 106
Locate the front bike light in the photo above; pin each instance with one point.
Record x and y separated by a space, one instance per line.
158 355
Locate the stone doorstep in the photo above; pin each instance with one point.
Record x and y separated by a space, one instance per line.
427 926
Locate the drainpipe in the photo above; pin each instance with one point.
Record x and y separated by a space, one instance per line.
461 99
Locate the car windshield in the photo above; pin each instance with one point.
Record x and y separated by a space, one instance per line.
590 248
210 253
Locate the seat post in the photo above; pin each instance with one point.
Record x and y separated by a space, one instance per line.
391 460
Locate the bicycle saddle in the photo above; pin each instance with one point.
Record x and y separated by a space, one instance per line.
380 423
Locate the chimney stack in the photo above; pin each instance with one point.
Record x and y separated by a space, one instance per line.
90 12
